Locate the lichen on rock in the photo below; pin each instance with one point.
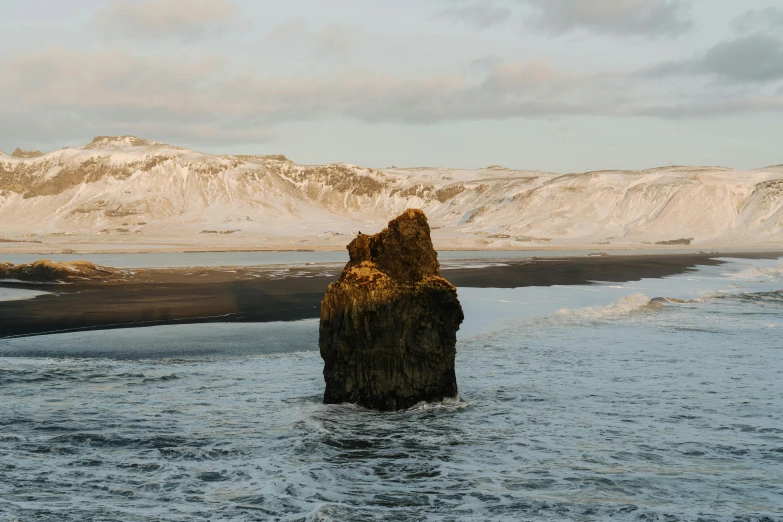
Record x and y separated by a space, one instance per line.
389 324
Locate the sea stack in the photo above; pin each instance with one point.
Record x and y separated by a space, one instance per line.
389 324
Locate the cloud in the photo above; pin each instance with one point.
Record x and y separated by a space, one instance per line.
478 16
57 127
107 79
769 19
618 17
612 17
333 41
756 58
716 107
114 92
481 67
167 19
203 101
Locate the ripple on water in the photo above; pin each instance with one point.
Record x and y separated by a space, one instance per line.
581 416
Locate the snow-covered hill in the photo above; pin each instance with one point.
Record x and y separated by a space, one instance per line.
133 191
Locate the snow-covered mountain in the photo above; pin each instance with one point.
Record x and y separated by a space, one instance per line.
139 190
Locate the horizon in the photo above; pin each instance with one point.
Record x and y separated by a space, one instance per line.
40 153
530 85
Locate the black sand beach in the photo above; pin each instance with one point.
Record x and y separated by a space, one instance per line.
200 295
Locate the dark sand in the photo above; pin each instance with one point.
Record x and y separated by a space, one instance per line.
254 294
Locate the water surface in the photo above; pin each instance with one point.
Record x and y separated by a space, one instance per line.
582 403
188 259
14 294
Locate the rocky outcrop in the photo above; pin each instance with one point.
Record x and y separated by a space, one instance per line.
389 324
25 154
45 271
127 141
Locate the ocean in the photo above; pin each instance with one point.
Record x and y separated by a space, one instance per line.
258 258
654 400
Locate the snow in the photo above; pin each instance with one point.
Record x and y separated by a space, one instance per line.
131 187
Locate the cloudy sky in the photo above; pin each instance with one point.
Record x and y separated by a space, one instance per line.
558 85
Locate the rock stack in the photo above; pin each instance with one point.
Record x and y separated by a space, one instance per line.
389 324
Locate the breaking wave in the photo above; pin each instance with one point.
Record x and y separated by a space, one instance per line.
640 303
774 273
447 404
634 303
753 297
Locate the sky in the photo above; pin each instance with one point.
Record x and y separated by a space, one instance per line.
551 85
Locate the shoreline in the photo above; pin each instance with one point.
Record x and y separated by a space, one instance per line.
49 249
259 294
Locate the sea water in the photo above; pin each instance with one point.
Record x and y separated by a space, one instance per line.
211 259
650 400
15 294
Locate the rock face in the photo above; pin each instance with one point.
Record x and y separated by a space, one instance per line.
389 324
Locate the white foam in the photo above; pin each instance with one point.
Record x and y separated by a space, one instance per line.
458 265
454 403
773 273
626 305
318 515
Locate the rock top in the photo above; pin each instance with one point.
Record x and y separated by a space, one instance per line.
403 251
127 141
25 154
389 323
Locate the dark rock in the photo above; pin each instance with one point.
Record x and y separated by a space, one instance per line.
389 324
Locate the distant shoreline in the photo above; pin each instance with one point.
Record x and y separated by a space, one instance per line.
38 248
255 294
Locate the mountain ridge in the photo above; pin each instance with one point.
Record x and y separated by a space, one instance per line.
126 186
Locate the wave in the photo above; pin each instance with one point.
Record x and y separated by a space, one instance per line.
773 273
456 265
629 304
449 403
640 303
775 296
